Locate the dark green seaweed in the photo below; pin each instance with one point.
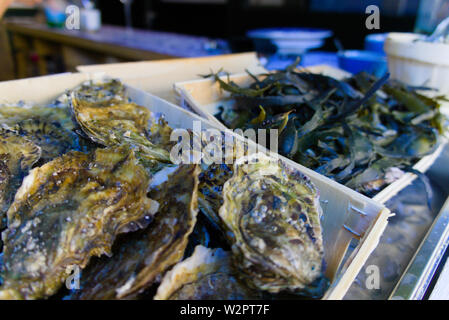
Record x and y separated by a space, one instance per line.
353 131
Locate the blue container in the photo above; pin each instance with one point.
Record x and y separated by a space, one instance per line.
55 19
356 61
375 42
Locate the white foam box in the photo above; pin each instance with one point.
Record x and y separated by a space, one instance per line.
347 215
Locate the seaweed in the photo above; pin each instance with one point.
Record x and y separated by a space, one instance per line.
353 130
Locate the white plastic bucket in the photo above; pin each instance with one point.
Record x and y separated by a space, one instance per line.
418 63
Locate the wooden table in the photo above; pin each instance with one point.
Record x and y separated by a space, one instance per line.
109 44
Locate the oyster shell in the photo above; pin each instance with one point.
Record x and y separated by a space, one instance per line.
140 258
206 275
17 156
160 132
67 211
107 118
102 92
1 268
212 179
5 177
51 137
210 199
272 215
43 141
10 115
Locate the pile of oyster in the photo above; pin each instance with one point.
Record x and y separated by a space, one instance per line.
92 207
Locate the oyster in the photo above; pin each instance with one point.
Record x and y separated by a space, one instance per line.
272 215
160 132
210 199
5 177
17 156
212 178
1 268
107 118
102 91
206 275
140 258
11 115
36 138
51 137
67 211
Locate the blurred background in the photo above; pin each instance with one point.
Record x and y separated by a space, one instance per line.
36 40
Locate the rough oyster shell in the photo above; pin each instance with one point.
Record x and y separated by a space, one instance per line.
53 139
140 258
10 115
17 156
160 132
212 178
68 210
272 215
206 275
5 177
1 268
102 92
109 119
32 141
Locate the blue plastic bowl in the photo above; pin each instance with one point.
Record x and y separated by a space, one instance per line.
356 61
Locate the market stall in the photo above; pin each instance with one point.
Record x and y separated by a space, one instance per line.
302 174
